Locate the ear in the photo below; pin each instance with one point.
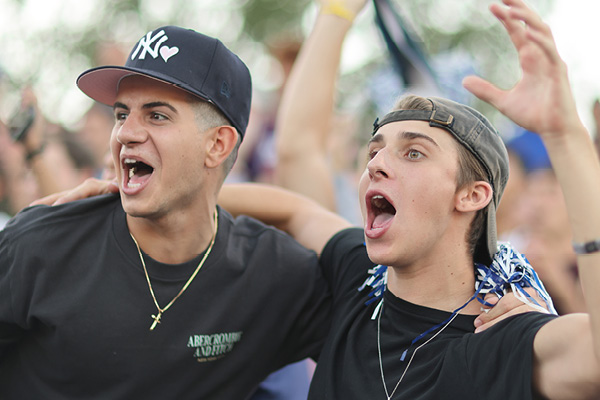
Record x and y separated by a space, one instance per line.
222 141
474 197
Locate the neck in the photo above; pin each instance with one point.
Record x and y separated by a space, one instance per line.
175 239
443 286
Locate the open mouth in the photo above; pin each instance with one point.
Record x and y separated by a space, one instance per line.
383 211
136 171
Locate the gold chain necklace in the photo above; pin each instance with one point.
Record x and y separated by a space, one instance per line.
162 310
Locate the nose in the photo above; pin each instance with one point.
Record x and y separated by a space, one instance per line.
131 130
377 166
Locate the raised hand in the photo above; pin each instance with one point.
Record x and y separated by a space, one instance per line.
541 101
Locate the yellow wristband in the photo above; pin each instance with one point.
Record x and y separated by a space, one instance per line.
336 7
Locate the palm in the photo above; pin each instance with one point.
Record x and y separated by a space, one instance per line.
541 92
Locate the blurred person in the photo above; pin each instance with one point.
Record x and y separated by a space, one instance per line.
257 160
56 157
548 240
539 223
96 125
18 187
95 128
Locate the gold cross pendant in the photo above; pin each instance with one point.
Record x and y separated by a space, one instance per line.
156 320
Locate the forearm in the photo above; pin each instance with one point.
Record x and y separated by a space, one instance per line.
304 117
304 219
307 102
269 204
578 171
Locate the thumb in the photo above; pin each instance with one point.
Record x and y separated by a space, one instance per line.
483 89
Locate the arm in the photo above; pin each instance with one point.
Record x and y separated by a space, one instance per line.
566 350
305 113
304 219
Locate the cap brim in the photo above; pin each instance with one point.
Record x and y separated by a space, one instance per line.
102 83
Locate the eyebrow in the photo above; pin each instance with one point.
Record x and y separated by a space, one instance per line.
120 105
416 135
150 105
406 135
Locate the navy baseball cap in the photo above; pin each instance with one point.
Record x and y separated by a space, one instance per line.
191 61
476 133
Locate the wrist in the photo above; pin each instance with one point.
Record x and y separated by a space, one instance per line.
338 8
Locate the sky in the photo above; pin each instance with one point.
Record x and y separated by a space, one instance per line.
576 28
575 24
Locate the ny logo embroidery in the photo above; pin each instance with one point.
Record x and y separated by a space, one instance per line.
147 45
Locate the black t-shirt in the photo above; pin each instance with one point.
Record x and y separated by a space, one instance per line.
75 309
457 364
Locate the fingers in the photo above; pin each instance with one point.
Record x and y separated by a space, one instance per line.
524 26
501 310
537 31
514 27
483 324
89 188
507 306
484 90
48 200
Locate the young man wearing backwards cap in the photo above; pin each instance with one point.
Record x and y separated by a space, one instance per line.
158 293
435 173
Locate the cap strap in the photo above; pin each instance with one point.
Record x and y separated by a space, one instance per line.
435 117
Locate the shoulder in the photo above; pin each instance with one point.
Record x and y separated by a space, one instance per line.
499 361
253 230
246 235
345 262
515 329
40 220
508 339
345 240
346 247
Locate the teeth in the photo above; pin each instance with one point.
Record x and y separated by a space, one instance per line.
378 201
133 185
132 169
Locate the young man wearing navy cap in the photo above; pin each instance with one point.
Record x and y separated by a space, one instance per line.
157 293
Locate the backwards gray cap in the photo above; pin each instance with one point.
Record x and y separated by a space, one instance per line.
478 135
